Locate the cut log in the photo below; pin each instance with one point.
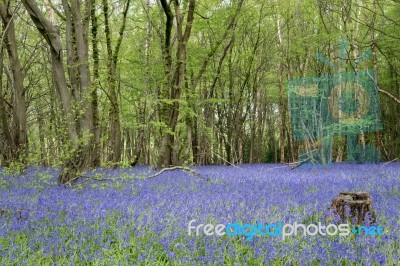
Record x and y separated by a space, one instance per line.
359 205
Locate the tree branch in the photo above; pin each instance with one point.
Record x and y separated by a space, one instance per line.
173 168
214 49
183 168
388 94
58 13
121 34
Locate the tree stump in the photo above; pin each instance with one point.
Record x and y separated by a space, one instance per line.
359 204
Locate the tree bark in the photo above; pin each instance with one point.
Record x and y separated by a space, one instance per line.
96 158
112 59
6 143
282 115
84 104
19 130
169 112
80 151
52 36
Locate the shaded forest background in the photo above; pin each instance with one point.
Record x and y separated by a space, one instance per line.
179 82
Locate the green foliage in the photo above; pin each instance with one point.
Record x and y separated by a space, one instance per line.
233 75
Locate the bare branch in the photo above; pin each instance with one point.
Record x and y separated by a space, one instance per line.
58 13
171 169
388 94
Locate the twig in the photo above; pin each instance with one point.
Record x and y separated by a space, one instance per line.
279 167
71 180
94 178
170 169
301 163
226 161
390 162
103 178
388 94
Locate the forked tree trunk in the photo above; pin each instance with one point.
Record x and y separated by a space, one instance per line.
169 112
112 59
80 153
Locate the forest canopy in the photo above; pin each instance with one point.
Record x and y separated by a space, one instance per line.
180 82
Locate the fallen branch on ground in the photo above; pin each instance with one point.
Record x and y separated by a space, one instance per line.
390 162
183 168
173 168
301 163
95 178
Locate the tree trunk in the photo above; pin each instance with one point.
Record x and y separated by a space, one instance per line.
112 59
20 137
85 123
6 143
282 115
115 129
169 112
96 158
80 152
42 139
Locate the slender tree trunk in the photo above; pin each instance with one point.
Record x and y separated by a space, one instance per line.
42 139
141 140
378 134
261 120
96 157
112 59
7 145
70 50
115 127
282 115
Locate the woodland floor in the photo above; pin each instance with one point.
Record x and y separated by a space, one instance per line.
130 220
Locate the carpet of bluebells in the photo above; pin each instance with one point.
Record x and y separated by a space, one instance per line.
130 220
